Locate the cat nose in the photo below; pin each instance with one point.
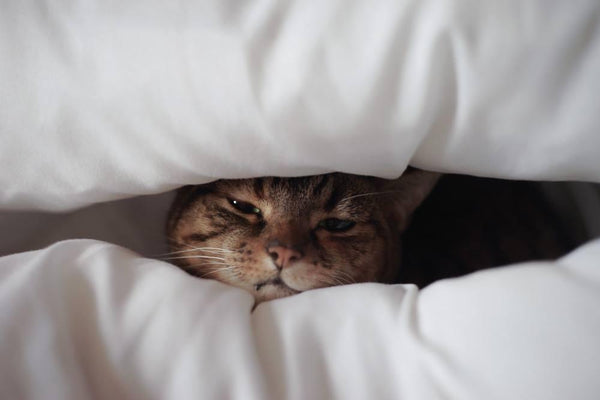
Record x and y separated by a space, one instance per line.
283 256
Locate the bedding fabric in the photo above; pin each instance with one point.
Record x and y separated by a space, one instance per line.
114 99
85 319
108 100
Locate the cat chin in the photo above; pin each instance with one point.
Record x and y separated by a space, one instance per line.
271 290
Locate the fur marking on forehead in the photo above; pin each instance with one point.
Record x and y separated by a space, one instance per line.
348 196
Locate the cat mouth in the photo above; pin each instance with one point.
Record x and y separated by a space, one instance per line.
276 282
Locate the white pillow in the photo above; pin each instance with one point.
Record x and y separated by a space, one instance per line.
103 100
85 319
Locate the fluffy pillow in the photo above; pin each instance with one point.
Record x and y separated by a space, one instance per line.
104 100
85 319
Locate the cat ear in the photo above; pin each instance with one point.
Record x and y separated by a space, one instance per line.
411 189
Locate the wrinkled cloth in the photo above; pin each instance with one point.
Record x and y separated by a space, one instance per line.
86 319
105 100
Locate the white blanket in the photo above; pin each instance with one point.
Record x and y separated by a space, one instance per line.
107 100
85 319
103 100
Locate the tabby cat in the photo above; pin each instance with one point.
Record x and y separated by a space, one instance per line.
275 237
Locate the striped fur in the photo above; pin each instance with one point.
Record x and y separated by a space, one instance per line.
209 237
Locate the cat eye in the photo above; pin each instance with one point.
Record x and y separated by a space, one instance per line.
336 225
244 207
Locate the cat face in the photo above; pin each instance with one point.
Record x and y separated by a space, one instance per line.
275 237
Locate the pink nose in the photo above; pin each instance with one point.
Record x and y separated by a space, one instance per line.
283 256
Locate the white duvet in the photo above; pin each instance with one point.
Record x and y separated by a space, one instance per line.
86 319
109 100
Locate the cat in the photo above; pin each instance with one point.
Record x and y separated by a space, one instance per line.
276 237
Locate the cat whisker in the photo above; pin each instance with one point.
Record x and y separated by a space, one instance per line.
206 274
344 277
335 281
201 252
214 270
369 194
342 282
216 267
211 263
194 256
332 280
193 270
215 264
191 247
348 275
216 250
218 263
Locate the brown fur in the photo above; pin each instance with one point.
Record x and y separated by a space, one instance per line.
283 249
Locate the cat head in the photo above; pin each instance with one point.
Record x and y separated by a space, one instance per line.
275 237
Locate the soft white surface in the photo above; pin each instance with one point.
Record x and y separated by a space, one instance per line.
102 100
85 319
105 100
